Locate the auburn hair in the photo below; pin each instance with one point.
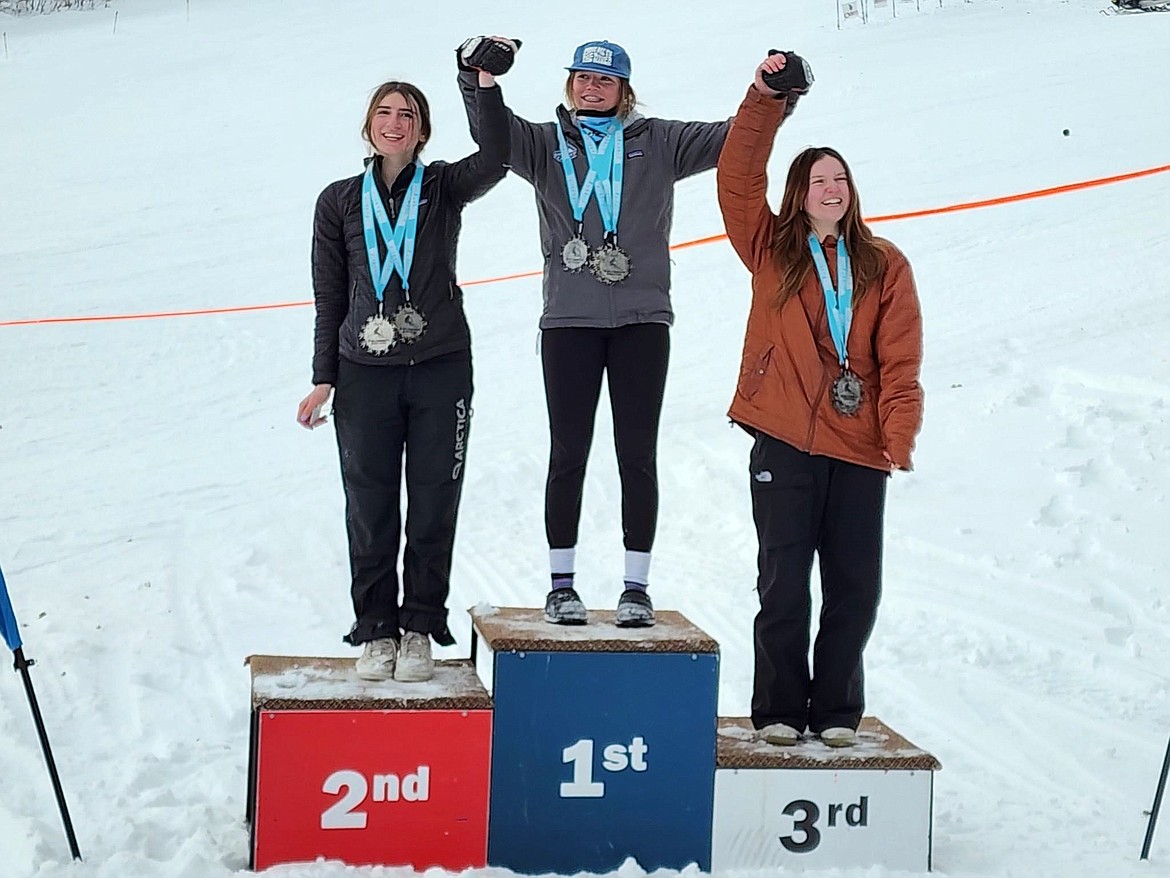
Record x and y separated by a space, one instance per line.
415 99
626 102
790 236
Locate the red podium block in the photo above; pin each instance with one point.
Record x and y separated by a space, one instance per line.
393 774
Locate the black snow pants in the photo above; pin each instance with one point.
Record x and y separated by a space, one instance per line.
805 504
382 412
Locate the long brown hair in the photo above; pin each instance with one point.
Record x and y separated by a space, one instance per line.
626 102
790 239
415 99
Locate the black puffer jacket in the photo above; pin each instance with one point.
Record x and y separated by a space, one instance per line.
342 288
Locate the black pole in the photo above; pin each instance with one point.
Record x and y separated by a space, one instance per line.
22 665
1157 805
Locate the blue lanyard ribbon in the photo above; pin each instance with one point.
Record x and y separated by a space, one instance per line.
399 238
606 164
839 303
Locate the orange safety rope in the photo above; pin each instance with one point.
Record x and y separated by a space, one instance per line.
710 239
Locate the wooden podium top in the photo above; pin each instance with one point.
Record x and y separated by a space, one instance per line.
506 629
300 683
878 748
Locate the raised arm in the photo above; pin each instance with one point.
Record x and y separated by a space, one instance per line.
474 175
742 176
697 145
524 154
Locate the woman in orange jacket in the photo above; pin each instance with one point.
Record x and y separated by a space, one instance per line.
829 388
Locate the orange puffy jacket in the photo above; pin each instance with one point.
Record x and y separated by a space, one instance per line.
789 361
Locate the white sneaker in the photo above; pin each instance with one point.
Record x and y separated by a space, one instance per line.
839 737
780 734
377 659
415 664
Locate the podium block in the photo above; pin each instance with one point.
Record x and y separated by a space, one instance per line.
367 773
604 744
815 807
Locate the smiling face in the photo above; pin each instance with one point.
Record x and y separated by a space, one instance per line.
594 91
828 196
394 128
397 121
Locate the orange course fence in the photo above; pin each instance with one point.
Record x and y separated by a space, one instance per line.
711 239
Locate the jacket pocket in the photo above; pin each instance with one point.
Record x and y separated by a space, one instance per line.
753 369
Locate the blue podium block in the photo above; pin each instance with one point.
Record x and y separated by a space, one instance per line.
603 742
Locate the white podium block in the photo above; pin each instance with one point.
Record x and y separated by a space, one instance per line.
816 807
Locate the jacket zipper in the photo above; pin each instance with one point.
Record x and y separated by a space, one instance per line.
812 423
820 397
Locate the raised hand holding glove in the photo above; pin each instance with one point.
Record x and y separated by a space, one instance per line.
493 55
460 51
794 75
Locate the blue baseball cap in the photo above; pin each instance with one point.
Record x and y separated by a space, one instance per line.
601 56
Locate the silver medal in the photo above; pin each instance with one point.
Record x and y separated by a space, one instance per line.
846 393
378 335
575 254
410 323
610 264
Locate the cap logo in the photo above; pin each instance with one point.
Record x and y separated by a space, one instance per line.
597 55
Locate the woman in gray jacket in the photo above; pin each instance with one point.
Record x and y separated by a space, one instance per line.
604 178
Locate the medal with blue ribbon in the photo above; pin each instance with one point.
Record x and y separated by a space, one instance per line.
378 334
847 390
603 182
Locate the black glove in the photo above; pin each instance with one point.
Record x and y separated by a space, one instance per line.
796 76
484 53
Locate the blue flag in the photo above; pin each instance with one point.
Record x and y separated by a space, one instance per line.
8 618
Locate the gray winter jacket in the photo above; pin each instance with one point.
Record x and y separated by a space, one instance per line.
658 152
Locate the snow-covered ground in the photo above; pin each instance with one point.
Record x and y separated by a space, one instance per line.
163 516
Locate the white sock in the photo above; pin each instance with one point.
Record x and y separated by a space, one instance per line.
562 562
638 568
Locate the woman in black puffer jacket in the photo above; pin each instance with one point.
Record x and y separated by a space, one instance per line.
393 349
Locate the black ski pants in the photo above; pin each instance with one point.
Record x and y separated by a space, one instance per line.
805 504
633 359
382 412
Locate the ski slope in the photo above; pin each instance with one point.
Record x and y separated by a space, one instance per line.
163 516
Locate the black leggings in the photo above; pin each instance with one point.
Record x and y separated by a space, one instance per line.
634 359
